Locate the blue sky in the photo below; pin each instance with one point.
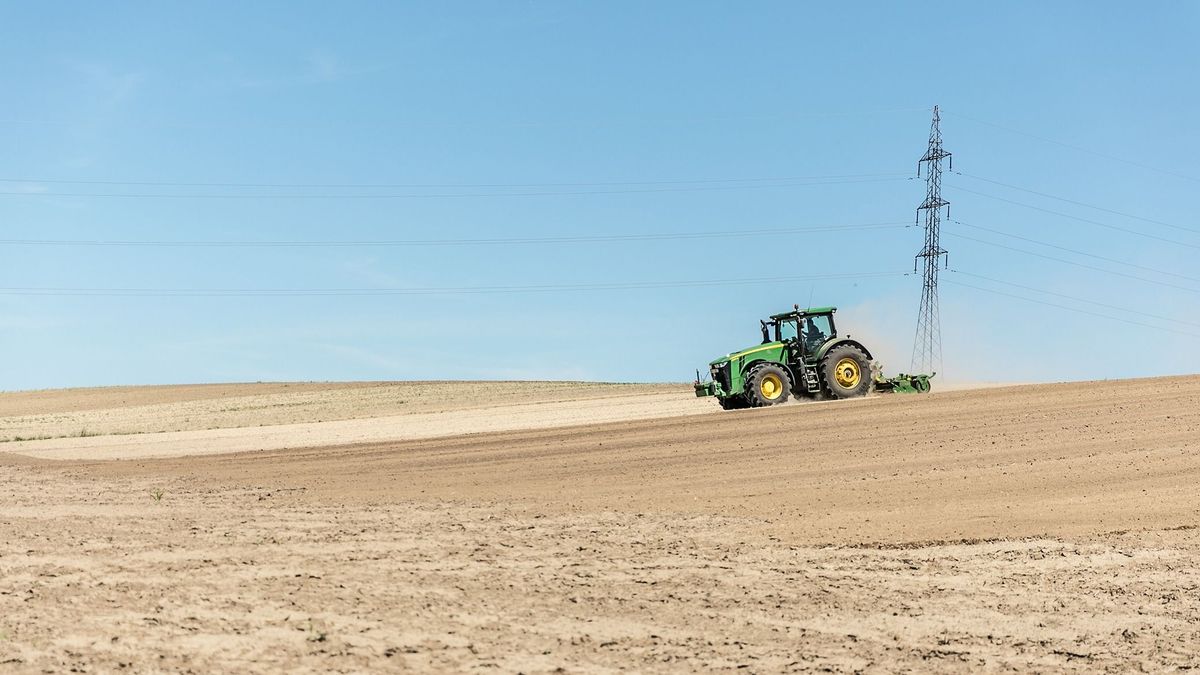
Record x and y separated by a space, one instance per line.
610 119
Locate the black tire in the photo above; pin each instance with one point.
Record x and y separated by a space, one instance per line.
733 403
846 372
767 384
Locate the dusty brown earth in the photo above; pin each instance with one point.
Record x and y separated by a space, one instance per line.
103 411
1031 528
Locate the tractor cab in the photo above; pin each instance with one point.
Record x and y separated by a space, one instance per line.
803 329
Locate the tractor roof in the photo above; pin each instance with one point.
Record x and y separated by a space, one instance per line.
803 312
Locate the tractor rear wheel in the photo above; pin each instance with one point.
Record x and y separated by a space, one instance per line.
846 372
767 384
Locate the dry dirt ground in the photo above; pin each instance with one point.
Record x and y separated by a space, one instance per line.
1032 528
104 411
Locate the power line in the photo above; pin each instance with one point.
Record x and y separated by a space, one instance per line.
366 186
1114 158
664 236
1085 254
705 188
1072 309
392 125
1084 220
1078 203
1077 299
1076 264
339 292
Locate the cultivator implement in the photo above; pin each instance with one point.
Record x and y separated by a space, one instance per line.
904 384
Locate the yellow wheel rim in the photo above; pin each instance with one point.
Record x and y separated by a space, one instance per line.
771 386
847 373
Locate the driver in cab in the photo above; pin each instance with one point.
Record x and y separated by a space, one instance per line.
812 336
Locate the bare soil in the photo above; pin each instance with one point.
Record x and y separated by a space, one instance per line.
1047 528
103 411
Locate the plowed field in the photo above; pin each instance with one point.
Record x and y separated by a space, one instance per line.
599 527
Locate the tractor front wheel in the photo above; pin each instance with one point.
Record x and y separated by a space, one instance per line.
846 372
767 384
733 403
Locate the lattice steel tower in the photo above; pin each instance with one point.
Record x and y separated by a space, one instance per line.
927 345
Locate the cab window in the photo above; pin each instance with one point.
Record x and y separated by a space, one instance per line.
787 330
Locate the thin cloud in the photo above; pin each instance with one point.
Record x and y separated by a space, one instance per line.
324 66
318 67
109 88
368 270
365 357
28 188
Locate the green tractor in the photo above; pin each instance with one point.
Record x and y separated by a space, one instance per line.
801 354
